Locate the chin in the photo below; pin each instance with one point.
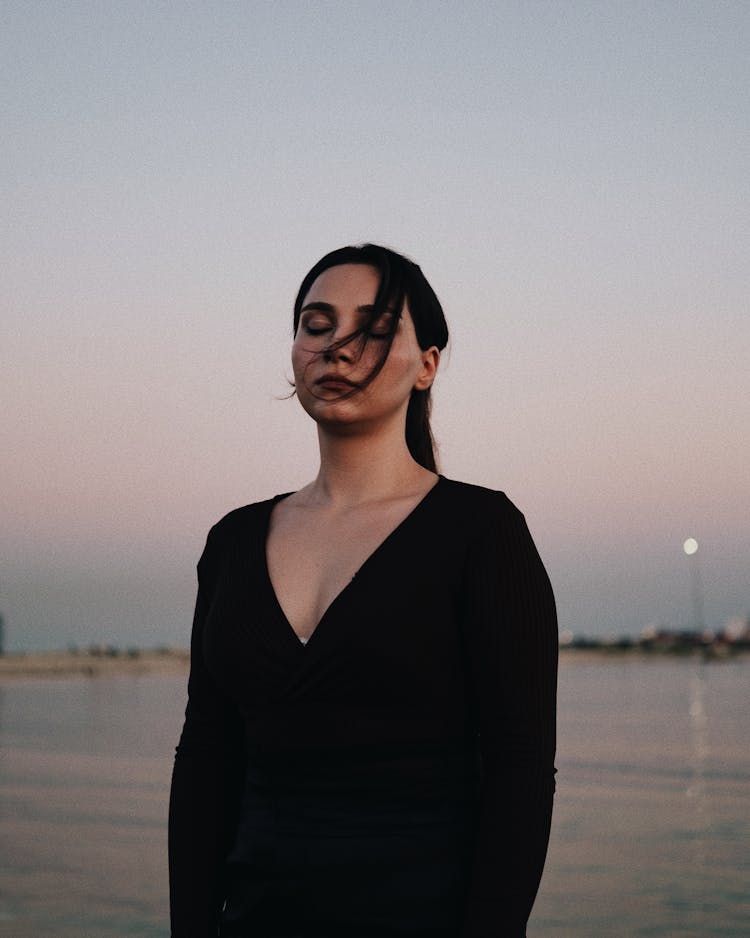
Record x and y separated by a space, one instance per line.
331 412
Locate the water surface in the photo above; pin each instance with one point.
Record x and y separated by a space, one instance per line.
650 833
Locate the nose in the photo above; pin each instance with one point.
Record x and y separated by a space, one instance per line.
345 353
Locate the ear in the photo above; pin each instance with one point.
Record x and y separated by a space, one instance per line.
430 362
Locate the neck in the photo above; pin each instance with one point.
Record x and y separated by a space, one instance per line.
365 467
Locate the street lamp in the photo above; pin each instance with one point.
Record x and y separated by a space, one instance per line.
690 546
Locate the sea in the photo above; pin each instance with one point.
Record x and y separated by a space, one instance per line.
650 836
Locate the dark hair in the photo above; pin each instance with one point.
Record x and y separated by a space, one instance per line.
400 279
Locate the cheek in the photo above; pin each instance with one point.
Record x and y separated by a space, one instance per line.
402 364
301 357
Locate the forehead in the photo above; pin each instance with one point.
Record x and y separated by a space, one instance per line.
355 284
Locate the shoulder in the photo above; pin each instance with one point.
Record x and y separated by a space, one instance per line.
497 538
239 523
486 521
479 506
242 518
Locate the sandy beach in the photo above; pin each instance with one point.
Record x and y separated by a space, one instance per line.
97 663
110 662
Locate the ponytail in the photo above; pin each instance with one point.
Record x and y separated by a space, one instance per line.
419 436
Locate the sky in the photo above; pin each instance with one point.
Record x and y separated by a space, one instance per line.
573 178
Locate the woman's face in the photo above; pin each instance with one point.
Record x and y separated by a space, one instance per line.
338 303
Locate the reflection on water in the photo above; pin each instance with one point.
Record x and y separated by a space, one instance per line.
649 836
651 825
697 790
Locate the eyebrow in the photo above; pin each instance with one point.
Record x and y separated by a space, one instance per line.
322 307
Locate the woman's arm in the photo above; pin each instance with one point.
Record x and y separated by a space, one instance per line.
206 784
511 641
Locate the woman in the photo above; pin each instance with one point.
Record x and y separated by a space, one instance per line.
370 731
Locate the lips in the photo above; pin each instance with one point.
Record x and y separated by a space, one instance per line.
336 382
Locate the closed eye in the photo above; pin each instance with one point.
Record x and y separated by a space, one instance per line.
317 322
382 327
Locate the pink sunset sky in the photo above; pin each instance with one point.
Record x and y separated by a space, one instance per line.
572 178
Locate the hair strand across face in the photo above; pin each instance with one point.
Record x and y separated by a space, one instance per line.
400 280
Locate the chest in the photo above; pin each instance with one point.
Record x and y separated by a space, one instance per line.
312 558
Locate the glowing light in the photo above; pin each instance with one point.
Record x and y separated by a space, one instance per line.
690 546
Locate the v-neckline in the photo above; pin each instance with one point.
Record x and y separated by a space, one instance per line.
344 589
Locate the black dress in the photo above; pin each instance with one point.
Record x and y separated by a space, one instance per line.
394 775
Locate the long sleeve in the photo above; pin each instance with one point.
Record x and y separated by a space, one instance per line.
510 628
206 784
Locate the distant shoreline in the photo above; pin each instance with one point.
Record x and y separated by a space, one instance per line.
98 663
112 662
